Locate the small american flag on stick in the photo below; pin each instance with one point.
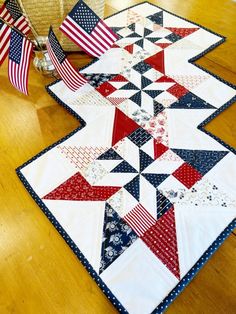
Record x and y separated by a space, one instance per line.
67 72
87 30
11 12
19 61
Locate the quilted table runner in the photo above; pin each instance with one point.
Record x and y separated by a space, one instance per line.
140 192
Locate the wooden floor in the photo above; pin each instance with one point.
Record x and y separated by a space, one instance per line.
39 273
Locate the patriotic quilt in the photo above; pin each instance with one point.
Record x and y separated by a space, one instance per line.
140 192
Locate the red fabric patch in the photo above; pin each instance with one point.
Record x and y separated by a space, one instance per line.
106 89
163 45
183 32
187 175
177 90
122 126
159 149
161 240
76 188
165 79
119 78
157 61
129 48
115 46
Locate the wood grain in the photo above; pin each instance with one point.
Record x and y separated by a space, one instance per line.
38 271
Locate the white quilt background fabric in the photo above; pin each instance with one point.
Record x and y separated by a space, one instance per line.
140 189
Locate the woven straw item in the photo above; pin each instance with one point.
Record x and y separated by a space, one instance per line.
44 13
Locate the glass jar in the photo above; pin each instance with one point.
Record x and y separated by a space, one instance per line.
42 62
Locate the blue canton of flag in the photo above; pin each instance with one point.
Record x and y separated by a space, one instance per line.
72 78
55 45
15 47
13 8
19 61
87 30
85 17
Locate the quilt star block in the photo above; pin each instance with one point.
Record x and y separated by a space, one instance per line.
141 193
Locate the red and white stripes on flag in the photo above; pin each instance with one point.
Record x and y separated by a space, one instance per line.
95 44
87 30
5 32
23 25
140 220
5 14
19 61
72 78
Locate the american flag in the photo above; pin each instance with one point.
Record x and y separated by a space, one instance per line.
87 30
19 61
5 32
67 72
11 12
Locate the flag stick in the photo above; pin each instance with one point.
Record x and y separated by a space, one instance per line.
35 35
